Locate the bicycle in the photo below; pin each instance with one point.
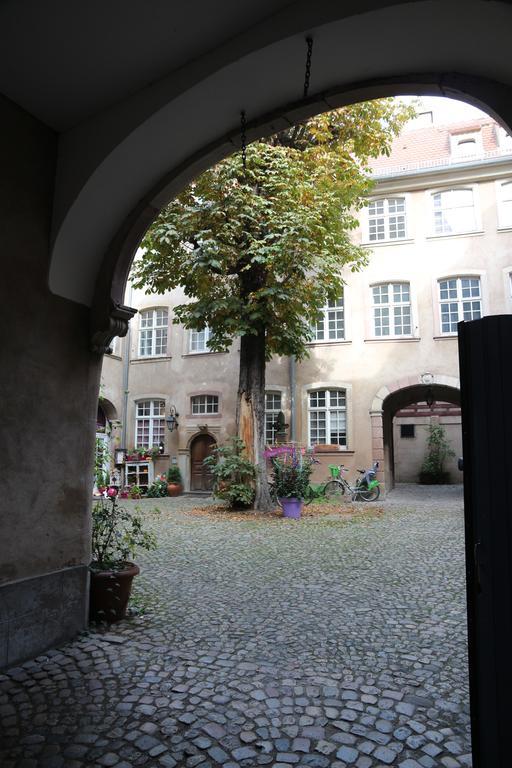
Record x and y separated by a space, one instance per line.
366 488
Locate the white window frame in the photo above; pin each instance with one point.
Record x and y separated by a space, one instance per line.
205 404
390 306
460 139
206 338
386 215
476 210
504 139
271 415
459 300
328 410
152 331
503 222
115 346
330 312
155 434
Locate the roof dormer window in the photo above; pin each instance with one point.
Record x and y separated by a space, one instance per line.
464 145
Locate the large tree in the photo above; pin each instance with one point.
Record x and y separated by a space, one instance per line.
259 247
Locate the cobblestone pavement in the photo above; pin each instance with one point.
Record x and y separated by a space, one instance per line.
324 643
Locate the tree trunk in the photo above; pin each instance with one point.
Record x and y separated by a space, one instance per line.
251 412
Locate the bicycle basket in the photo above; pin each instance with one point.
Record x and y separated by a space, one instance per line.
334 470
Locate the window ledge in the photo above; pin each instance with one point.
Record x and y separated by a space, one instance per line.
380 243
504 228
473 233
328 343
445 336
202 354
113 357
343 452
399 339
203 416
155 359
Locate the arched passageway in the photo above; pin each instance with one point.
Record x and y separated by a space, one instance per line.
93 151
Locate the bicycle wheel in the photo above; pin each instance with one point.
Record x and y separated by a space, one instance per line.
371 495
334 490
309 496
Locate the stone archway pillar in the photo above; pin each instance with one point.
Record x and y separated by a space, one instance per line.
377 427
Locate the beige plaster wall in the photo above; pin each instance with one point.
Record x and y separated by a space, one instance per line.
410 451
361 364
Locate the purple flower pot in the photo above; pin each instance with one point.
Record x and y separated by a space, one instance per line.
291 507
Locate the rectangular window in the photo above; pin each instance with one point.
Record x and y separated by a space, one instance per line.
202 405
407 430
150 423
454 212
199 340
328 417
459 299
391 309
386 219
505 204
272 408
153 332
330 325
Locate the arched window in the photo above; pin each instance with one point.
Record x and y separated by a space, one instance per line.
391 309
460 298
327 417
505 204
153 332
199 340
386 219
454 211
273 405
149 423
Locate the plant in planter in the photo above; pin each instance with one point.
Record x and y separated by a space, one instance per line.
135 492
116 536
438 450
158 489
233 474
174 481
291 471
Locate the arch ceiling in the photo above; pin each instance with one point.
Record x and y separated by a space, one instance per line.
146 95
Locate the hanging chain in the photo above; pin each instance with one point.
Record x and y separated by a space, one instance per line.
243 135
307 75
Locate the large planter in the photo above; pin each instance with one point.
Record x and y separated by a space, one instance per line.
292 507
174 489
110 592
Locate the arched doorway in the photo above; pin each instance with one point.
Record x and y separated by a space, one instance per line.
433 393
201 479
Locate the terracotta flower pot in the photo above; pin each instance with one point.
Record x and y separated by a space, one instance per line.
110 592
174 489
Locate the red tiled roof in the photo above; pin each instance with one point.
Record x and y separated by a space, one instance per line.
431 145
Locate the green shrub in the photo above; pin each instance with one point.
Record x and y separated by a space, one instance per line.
438 450
158 489
233 474
116 535
174 474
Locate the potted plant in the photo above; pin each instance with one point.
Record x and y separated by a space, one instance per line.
158 489
116 536
291 469
233 474
135 492
174 481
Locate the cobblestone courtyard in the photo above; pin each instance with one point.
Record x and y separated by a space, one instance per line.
325 643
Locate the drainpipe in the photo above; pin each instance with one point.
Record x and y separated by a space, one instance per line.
292 377
126 377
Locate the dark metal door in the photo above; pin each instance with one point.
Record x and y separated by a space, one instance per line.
485 350
201 478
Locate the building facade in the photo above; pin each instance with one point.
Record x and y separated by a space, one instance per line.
438 228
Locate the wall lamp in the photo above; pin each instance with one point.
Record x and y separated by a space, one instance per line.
172 419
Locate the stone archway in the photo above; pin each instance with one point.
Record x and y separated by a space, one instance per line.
398 394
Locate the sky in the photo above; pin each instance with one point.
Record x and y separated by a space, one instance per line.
444 110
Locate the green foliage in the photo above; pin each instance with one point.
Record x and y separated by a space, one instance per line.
264 249
116 535
135 492
158 489
438 450
174 474
233 473
101 459
291 474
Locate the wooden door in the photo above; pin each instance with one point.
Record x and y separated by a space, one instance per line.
201 478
